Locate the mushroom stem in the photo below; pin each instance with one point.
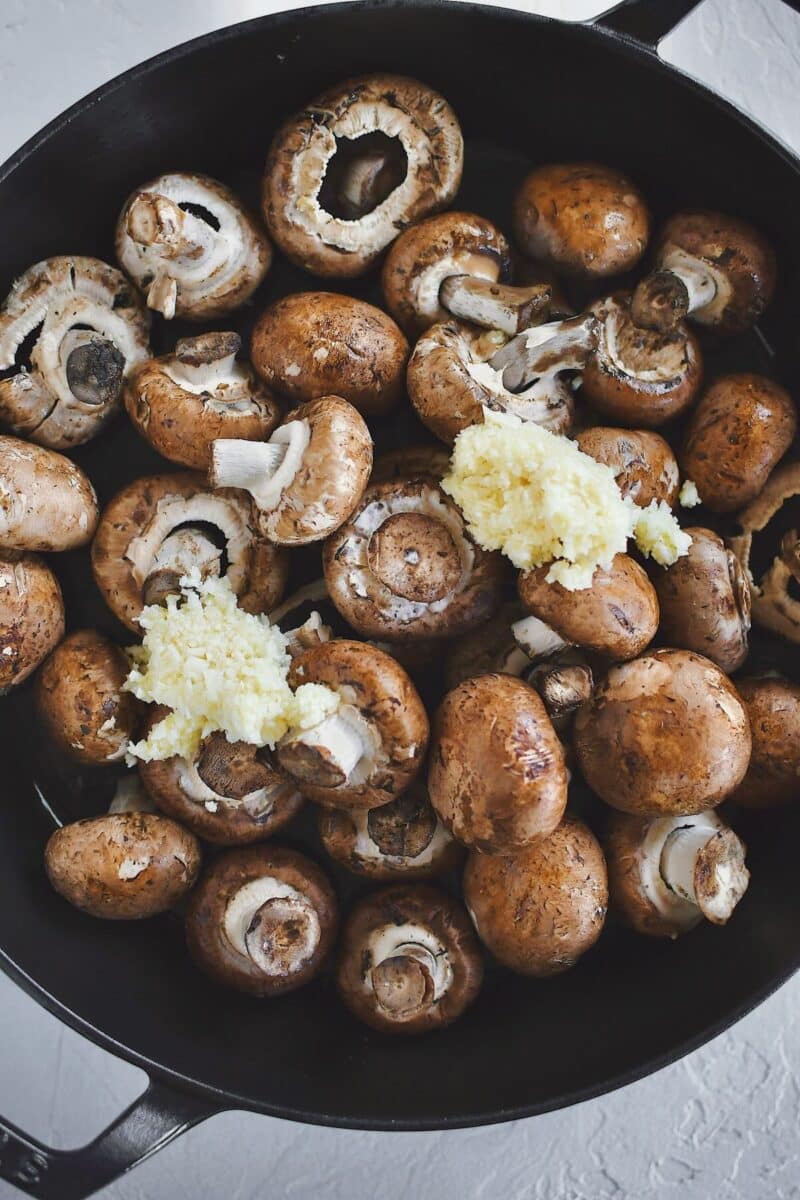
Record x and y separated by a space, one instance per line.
495 305
665 297
563 688
367 181
410 970
273 924
155 220
536 638
183 551
204 362
327 754
93 367
546 350
705 867
311 633
264 469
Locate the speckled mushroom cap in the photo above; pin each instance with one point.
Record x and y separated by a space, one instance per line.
643 463
539 909
496 773
31 616
583 218
92 331
773 706
46 501
230 793
742 427
139 520
262 920
664 734
773 603
191 246
400 108
452 243
404 565
409 960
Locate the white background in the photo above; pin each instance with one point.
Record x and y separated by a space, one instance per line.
724 1123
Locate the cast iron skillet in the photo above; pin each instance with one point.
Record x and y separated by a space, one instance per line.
526 89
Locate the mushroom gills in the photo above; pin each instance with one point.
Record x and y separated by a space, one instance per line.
186 549
273 924
545 351
264 469
496 305
410 969
341 749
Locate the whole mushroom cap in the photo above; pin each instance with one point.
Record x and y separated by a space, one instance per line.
643 463
31 616
773 706
46 501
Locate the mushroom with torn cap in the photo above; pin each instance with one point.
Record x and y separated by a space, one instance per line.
46 501
774 600
643 463
773 776
31 616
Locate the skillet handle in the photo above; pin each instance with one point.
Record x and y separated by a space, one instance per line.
154 1119
648 21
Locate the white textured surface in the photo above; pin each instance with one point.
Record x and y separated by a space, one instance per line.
722 1123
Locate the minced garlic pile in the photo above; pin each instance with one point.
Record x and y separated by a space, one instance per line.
218 668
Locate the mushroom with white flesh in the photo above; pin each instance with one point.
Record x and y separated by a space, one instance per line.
89 330
773 706
584 219
371 749
262 920
643 463
704 600
410 461
496 773
666 874
46 501
421 139
130 795
81 702
404 566
740 430
539 909
191 246
564 682
456 264
663 735
409 961
229 793
160 528
308 478
182 402
774 587
123 866
313 344
31 616
640 377
714 268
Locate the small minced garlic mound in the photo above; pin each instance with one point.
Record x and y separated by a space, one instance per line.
658 534
689 497
218 668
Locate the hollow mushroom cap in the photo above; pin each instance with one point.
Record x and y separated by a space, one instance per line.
539 909
46 501
409 961
405 567
665 734
742 427
409 462
191 246
400 108
617 616
640 377
643 463
141 518
262 920
230 793
773 602
181 402
90 330
123 866
313 344
381 705
31 616
704 600
773 706
496 774
583 218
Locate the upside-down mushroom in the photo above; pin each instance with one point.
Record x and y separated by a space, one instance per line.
31 616
774 600
46 501
773 706
643 463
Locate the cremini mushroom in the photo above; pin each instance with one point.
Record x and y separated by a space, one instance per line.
262 920
716 269
87 329
539 909
46 501
182 402
404 566
307 618
192 247
308 478
643 463
565 682
496 773
742 427
768 547
666 874
704 600
123 866
408 462
371 749
582 218
663 735
773 777
31 616
413 119
409 961
159 528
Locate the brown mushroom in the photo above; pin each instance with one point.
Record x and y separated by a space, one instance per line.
409 961
489 648
155 531
773 777
643 463
742 427
666 874
774 593
408 462
539 909
46 501
564 682
665 734
582 218
262 920
123 866
31 616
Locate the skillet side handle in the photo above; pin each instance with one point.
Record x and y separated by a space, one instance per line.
645 21
154 1119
